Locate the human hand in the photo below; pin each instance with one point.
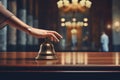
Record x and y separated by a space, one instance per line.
40 33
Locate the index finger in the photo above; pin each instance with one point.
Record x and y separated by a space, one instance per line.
57 34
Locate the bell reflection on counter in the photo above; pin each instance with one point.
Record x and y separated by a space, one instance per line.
46 51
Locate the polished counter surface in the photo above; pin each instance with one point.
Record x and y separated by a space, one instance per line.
67 61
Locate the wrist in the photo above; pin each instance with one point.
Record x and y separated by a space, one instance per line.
29 30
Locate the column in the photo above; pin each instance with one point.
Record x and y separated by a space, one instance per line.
116 23
21 36
35 24
3 33
29 22
36 21
11 32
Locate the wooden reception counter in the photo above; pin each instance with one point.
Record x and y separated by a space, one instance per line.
66 62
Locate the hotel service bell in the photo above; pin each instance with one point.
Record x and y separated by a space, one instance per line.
46 51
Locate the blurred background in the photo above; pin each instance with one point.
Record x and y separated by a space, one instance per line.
81 28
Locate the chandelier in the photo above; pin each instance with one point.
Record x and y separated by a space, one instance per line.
74 5
74 23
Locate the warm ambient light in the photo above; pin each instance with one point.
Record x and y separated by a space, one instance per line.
74 23
116 26
85 19
62 19
74 5
108 26
117 23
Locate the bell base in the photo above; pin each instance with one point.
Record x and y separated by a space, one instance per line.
43 57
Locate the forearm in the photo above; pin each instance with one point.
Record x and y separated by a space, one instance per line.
10 19
13 21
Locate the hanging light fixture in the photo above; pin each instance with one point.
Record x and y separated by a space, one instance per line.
74 5
74 23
